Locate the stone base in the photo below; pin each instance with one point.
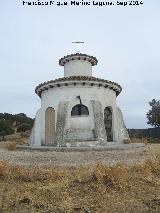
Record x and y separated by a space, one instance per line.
78 143
87 148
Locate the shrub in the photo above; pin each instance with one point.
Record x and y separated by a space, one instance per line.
138 140
5 128
24 127
107 174
10 146
154 140
3 168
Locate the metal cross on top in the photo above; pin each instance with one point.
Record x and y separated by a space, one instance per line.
78 45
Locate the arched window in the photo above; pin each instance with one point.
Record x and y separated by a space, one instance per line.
79 109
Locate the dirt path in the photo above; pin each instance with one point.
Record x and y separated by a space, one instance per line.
77 158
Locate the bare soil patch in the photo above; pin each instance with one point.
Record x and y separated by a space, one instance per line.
110 157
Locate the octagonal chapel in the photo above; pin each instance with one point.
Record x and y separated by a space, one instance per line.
78 110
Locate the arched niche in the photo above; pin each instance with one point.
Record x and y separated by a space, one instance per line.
49 126
79 110
108 123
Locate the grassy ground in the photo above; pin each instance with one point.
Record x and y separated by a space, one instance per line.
93 188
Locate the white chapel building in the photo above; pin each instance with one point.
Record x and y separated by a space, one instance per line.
78 110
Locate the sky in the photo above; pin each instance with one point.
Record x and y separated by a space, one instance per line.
124 39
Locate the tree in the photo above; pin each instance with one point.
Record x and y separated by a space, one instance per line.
5 128
19 118
153 114
22 118
24 127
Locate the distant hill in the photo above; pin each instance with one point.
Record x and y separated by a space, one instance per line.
145 133
19 122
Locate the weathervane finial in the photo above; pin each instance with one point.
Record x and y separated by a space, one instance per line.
78 45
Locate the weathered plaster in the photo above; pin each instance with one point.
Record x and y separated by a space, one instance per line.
99 123
61 123
95 94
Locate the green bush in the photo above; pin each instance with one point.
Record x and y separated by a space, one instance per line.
154 140
5 128
24 127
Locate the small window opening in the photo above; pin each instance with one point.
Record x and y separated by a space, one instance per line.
79 109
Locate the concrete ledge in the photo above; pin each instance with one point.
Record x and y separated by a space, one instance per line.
69 149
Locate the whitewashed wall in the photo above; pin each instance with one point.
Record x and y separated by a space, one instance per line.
77 68
53 96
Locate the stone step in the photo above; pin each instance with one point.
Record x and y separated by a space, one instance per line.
80 143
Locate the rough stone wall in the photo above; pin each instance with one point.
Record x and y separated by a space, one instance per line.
31 139
80 127
100 132
108 123
35 138
122 130
61 123
79 134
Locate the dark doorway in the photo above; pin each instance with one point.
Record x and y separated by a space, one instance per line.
108 123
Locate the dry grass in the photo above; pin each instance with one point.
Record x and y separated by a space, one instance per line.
12 140
11 144
74 189
136 140
98 187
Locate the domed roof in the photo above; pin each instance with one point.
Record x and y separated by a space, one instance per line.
78 56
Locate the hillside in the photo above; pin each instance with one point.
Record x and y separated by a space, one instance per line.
16 119
10 124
